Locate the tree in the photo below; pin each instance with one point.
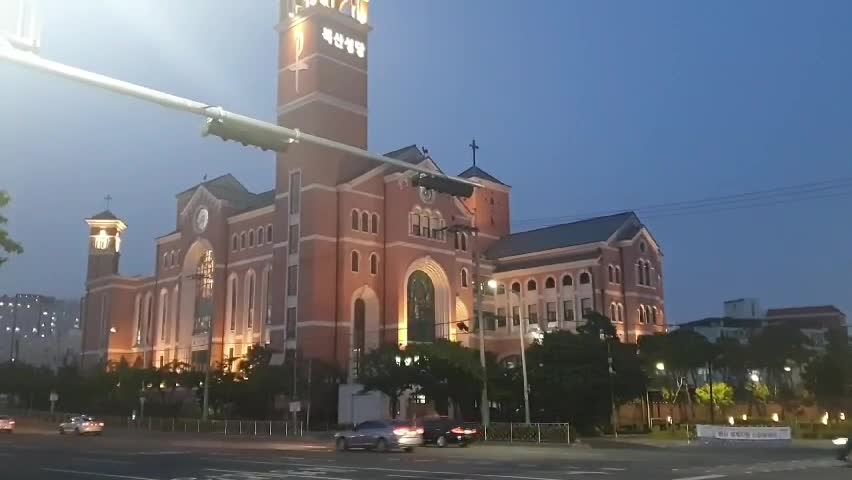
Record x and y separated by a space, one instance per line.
380 371
597 325
829 376
7 245
447 371
723 395
776 347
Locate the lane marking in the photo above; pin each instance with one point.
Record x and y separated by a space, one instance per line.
95 474
614 469
100 460
402 470
274 474
404 476
703 477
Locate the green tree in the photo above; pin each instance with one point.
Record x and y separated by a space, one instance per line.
829 376
380 371
447 371
7 245
597 325
723 395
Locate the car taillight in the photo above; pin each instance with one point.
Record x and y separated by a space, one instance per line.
400 431
463 431
11 422
420 431
85 424
101 424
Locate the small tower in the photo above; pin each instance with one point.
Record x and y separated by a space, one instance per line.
104 244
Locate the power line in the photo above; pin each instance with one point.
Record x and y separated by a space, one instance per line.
754 199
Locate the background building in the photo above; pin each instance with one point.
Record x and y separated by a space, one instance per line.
343 255
40 330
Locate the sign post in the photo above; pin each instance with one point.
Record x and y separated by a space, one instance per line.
54 397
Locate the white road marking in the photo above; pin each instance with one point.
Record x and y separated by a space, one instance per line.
404 476
100 460
614 469
400 470
702 477
95 474
273 474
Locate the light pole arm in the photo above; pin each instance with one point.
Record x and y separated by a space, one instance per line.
279 136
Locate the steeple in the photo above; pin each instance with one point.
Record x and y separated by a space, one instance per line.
104 243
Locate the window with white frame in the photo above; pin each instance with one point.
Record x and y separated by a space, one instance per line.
567 280
292 280
532 314
549 283
516 287
260 236
365 222
295 193
414 220
585 306
568 311
250 291
293 239
356 219
611 271
532 286
374 224
516 315
585 278
550 311
242 240
355 261
374 264
501 317
251 238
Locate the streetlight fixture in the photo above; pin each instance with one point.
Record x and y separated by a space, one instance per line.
661 367
755 377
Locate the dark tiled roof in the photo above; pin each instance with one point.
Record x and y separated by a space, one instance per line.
229 189
105 215
591 230
729 322
476 172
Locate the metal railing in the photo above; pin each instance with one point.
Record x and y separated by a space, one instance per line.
527 433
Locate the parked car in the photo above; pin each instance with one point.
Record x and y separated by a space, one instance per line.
381 435
81 425
7 424
444 431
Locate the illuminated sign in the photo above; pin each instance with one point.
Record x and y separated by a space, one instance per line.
342 42
356 9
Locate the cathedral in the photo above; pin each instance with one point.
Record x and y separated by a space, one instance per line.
345 254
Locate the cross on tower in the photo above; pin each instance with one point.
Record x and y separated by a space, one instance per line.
474 147
108 198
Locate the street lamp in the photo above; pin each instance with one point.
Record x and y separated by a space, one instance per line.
755 377
661 367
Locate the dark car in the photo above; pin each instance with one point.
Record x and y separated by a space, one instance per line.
445 431
380 435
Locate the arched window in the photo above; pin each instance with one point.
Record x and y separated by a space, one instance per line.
269 233
464 242
251 238
164 313
567 281
613 312
165 260
456 243
250 290
172 256
374 264
550 283
464 277
654 315
501 289
355 261
232 311
260 239
235 242
355 219
516 287
365 222
531 286
149 317
267 289
585 278
620 313
648 274
359 333
137 338
203 293
415 224
611 274
618 275
374 224
242 240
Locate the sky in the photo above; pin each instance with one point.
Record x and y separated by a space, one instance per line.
583 107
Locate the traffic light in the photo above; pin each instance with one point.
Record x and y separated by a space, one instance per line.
246 134
442 185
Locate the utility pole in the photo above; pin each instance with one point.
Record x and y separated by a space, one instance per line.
14 330
524 368
712 399
611 372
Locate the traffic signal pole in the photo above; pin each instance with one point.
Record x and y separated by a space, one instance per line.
220 122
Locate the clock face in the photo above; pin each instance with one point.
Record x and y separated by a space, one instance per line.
427 195
201 219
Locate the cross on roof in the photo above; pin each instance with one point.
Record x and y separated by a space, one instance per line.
474 147
108 198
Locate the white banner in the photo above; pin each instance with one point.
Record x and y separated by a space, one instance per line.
743 433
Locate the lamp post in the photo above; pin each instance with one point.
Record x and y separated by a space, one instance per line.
521 338
611 372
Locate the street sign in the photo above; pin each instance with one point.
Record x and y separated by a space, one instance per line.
295 407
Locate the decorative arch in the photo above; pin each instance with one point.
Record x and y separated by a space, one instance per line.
532 285
250 303
163 314
443 305
365 222
567 280
549 283
365 326
232 312
190 303
137 323
462 315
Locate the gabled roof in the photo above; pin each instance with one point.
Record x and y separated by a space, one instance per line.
229 189
592 230
476 172
105 215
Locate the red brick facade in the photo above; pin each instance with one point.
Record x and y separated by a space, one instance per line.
329 261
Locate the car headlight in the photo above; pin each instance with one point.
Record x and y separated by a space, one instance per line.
840 441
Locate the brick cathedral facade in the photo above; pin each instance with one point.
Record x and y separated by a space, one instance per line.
344 254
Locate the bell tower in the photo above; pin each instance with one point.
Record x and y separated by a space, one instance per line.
104 244
322 85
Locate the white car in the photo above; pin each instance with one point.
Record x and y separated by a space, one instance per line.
7 424
81 425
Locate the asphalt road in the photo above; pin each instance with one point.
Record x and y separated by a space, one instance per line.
42 454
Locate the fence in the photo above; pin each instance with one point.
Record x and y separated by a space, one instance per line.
556 433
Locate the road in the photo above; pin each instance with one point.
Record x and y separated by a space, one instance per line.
42 454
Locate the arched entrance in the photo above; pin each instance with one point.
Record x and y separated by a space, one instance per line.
196 303
365 327
421 307
427 308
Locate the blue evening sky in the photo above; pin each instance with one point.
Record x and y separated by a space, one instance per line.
582 107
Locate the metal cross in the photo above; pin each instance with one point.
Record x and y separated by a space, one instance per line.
108 198
474 147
